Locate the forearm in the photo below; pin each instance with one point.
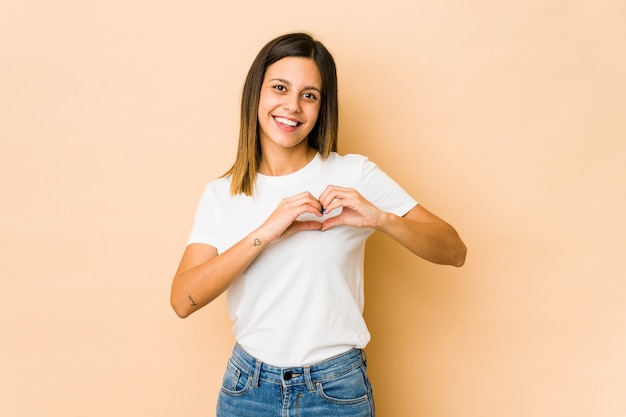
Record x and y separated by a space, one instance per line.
203 274
200 281
435 241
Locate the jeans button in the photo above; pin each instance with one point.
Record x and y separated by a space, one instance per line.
287 376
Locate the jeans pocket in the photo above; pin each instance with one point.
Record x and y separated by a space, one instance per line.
235 381
350 388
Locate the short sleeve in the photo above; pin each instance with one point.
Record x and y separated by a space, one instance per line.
382 191
203 229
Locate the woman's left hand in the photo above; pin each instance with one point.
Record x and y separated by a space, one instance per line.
356 210
419 230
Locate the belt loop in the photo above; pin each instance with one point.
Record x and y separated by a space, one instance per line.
364 357
257 374
308 380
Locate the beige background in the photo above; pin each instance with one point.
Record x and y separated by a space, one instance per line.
506 118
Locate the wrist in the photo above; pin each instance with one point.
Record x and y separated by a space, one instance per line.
260 237
383 221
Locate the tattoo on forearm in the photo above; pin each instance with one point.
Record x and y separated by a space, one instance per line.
193 303
257 242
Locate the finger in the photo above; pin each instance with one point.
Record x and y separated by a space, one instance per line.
329 194
335 196
339 200
298 199
328 200
310 205
302 226
307 225
322 197
303 203
313 209
331 222
310 200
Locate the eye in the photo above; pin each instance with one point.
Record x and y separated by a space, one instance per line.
309 96
279 87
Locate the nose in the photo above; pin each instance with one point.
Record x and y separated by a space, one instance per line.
292 104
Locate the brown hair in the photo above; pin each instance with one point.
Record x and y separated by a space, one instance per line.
323 136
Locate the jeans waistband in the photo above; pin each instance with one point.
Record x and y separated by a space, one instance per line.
307 375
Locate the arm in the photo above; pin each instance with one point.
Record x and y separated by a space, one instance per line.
203 274
426 235
419 230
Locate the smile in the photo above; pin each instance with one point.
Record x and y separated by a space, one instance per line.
287 122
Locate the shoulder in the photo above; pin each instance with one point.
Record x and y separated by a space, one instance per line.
355 163
217 188
347 160
349 170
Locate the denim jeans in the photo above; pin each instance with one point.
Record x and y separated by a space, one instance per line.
337 387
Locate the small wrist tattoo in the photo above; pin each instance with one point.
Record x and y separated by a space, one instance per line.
257 242
193 303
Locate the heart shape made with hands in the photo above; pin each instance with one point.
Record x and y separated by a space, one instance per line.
325 215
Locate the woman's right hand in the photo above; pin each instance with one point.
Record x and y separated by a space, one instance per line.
203 274
283 220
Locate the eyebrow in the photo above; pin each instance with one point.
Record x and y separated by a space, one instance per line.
310 87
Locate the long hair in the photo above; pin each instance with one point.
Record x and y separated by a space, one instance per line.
323 136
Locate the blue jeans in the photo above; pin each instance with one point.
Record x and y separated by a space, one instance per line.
337 387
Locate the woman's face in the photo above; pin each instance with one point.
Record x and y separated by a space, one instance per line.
289 104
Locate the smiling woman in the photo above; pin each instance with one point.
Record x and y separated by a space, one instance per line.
298 312
288 108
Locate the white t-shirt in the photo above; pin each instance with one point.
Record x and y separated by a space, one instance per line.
301 300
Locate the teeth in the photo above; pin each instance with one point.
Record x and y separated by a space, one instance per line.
287 122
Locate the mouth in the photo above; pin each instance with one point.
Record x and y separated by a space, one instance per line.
287 122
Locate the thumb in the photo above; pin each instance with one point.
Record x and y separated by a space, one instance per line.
331 222
307 225
301 226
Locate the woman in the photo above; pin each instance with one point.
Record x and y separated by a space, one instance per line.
284 232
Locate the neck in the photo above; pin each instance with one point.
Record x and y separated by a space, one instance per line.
286 161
